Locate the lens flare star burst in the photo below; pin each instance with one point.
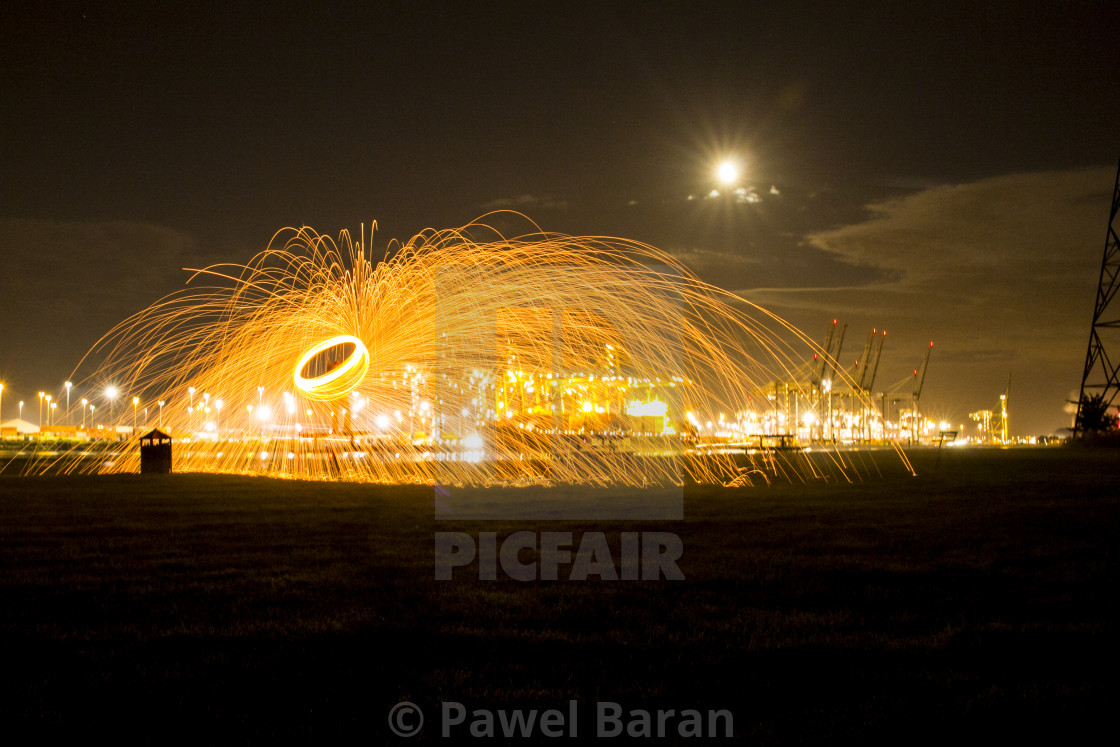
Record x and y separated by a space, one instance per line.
463 357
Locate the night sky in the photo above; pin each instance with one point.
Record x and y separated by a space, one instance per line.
943 171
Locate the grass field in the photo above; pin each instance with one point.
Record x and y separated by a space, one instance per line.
973 600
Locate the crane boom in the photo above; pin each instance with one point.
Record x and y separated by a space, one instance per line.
827 352
1003 409
861 364
875 365
920 376
839 343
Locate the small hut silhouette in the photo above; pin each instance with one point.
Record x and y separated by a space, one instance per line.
155 453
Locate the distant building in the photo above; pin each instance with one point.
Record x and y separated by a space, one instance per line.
16 427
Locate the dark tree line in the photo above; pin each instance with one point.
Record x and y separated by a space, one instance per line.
1096 417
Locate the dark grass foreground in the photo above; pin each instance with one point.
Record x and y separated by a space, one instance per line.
977 600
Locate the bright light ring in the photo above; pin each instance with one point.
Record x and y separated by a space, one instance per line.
335 383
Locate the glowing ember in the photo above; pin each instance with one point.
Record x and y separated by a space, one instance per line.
464 357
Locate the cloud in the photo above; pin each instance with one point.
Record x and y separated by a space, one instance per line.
708 262
1022 222
1002 271
990 250
64 284
741 195
77 268
526 201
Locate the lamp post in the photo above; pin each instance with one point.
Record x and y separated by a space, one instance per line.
54 406
41 394
68 385
49 409
161 413
84 403
21 409
111 393
135 402
827 385
190 417
263 415
91 416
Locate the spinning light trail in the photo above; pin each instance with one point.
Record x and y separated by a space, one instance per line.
462 357
341 379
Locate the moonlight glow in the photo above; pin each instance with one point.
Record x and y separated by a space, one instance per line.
728 172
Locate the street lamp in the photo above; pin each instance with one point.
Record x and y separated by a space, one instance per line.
135 402
49 408
68 385
91 416
111 393
264 414
21 409
161 413
84 403
41 408
54 406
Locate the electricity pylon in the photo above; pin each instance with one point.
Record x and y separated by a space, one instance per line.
1102 360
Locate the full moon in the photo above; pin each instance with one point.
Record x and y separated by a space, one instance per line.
727 172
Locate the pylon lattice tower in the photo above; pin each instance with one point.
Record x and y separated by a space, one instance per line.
1102 360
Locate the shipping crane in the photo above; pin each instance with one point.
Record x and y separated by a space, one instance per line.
920 376
823 364
875 361
827 348
861 364
839 343
871 380
919 382
1003 410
